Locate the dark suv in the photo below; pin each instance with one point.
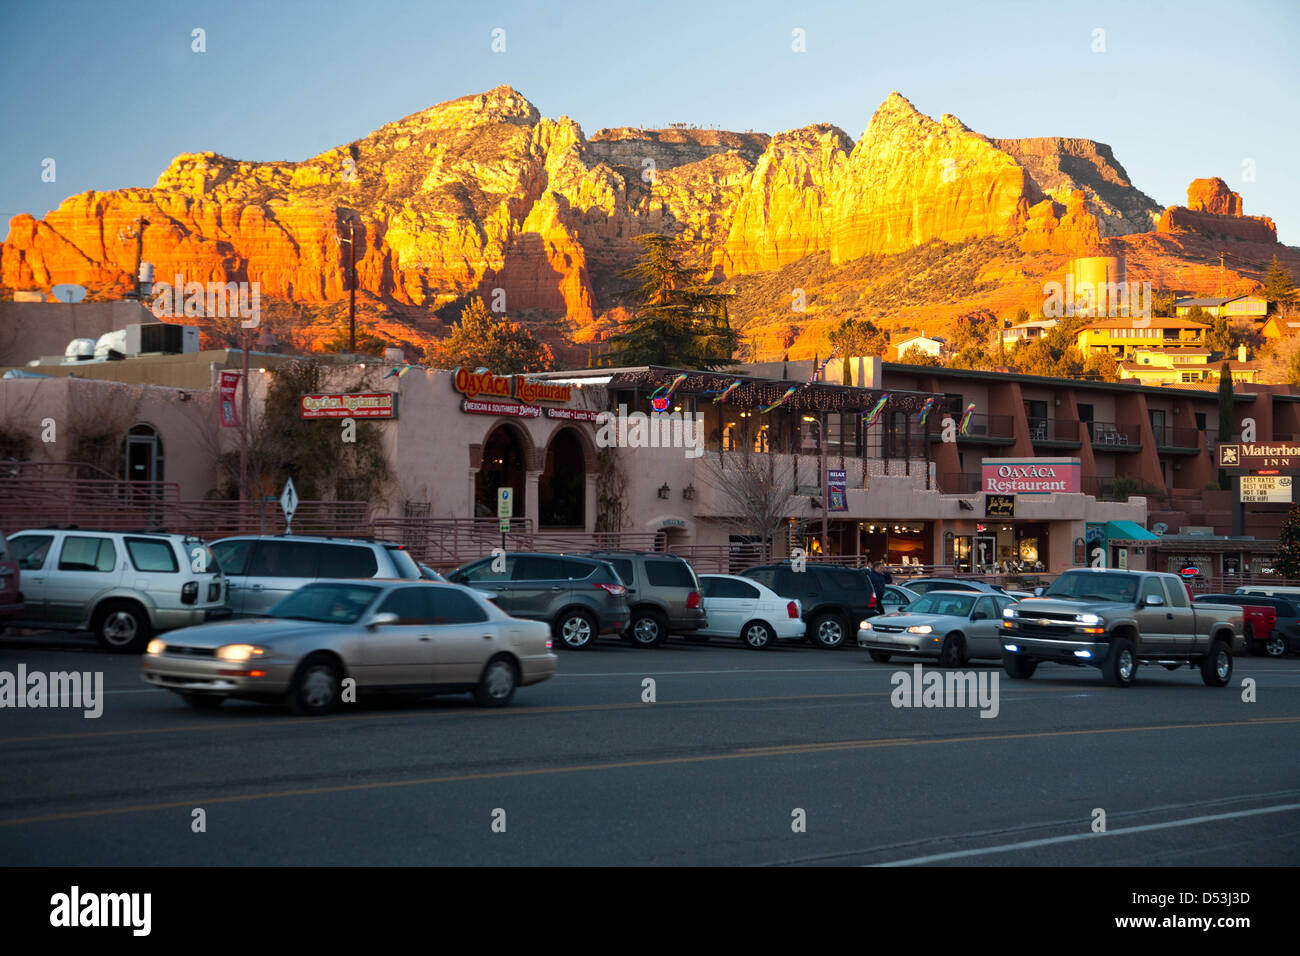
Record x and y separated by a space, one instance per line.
579 597
663 595
834 598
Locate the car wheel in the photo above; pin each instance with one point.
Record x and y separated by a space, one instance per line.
576 630
828 631
1275 646
1120 666
498 683
756 636
1216 666
315 687
1019 667
880 657
203 701
122 627
648 628
952 653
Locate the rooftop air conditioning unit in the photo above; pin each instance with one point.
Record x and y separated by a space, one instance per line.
161 338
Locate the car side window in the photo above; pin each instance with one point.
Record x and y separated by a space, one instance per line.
536 567
576 570
746 592
483 570
986 607
764 576
87 554
664 573
709 587
348 561
626 570
844 580
451 606
1149 587
148 554
233 555
30 550
411 605
284 559
1177 593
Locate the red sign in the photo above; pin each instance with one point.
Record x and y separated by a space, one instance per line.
350 405
500 408
229 409
1034 476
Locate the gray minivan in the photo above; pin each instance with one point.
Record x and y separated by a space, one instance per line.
581 598
264 569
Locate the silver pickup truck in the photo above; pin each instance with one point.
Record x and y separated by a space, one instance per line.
1116 620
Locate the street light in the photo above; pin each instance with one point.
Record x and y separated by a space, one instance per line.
826 494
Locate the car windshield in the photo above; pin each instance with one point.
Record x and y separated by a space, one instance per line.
958 605
327 603
1089 586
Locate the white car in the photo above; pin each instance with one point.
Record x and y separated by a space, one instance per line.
743 608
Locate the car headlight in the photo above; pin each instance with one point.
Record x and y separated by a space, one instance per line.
1009 612
239 652
864 625
1089 619
920 629
156 646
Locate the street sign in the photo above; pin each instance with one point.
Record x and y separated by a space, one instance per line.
1256 489
505 525
288 504
505 503
1250 456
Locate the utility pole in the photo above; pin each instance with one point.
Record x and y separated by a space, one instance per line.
243 428
352 286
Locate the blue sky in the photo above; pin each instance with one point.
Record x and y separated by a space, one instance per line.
112 91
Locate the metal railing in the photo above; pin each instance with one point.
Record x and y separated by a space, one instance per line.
1115 435
1168 436
451 542
1048 430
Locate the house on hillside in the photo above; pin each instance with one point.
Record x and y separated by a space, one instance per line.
1030 331
1233 306
1122 337
1278 327
935 346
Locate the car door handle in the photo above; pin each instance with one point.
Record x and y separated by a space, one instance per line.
425 637
556 588
487 637
1169 617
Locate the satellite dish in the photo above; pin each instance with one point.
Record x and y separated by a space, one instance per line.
1160 527
68 292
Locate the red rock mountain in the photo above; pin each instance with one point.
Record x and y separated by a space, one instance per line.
483 193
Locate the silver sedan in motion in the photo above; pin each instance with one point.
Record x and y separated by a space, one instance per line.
328 639
952 626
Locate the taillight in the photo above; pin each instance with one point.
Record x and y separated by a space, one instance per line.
190 592
615 589
693 601
793 610
871 602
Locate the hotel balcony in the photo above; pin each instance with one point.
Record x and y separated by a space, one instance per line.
1055 432
1112 436
1177 441
982 429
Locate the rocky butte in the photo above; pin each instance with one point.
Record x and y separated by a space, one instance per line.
483 193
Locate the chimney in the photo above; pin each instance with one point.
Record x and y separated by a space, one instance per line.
1241 353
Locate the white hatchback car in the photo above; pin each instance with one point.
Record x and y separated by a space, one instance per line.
743 608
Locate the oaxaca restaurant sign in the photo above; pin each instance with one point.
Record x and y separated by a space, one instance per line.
1030 476
349 405
527 391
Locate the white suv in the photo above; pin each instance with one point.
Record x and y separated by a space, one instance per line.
123 586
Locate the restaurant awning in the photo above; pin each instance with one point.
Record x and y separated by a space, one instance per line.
1128 531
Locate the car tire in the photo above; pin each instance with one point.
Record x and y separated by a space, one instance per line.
498 684
880 657
828 631
316 687
1216 666
203 701
1019 667
648 628
575 631
122 627
952 652
757 636
1275 646
1120 666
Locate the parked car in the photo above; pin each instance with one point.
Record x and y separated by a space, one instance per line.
743 608
123 586
265 569
1115 620
897 597
398 636
950 626
579 597
11 594
1285 633
429 574
830 597
925 585
663 595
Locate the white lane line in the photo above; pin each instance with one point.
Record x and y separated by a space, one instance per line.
638 674
1049 841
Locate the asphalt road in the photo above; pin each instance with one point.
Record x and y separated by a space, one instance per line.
736 749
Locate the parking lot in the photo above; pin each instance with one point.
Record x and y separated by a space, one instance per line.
695 754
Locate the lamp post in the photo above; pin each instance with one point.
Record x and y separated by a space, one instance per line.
826 495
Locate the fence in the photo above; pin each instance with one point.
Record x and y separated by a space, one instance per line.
448 542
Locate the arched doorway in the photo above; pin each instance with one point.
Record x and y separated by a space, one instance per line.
503 466
143 454
561 493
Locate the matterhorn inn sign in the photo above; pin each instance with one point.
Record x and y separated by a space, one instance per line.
1030 476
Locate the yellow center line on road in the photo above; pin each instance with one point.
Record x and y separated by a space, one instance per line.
412 714
740 754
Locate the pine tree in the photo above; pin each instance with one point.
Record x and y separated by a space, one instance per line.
1279 287
1288 545
1227 418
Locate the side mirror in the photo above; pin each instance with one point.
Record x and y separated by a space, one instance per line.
1154 600
387 618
